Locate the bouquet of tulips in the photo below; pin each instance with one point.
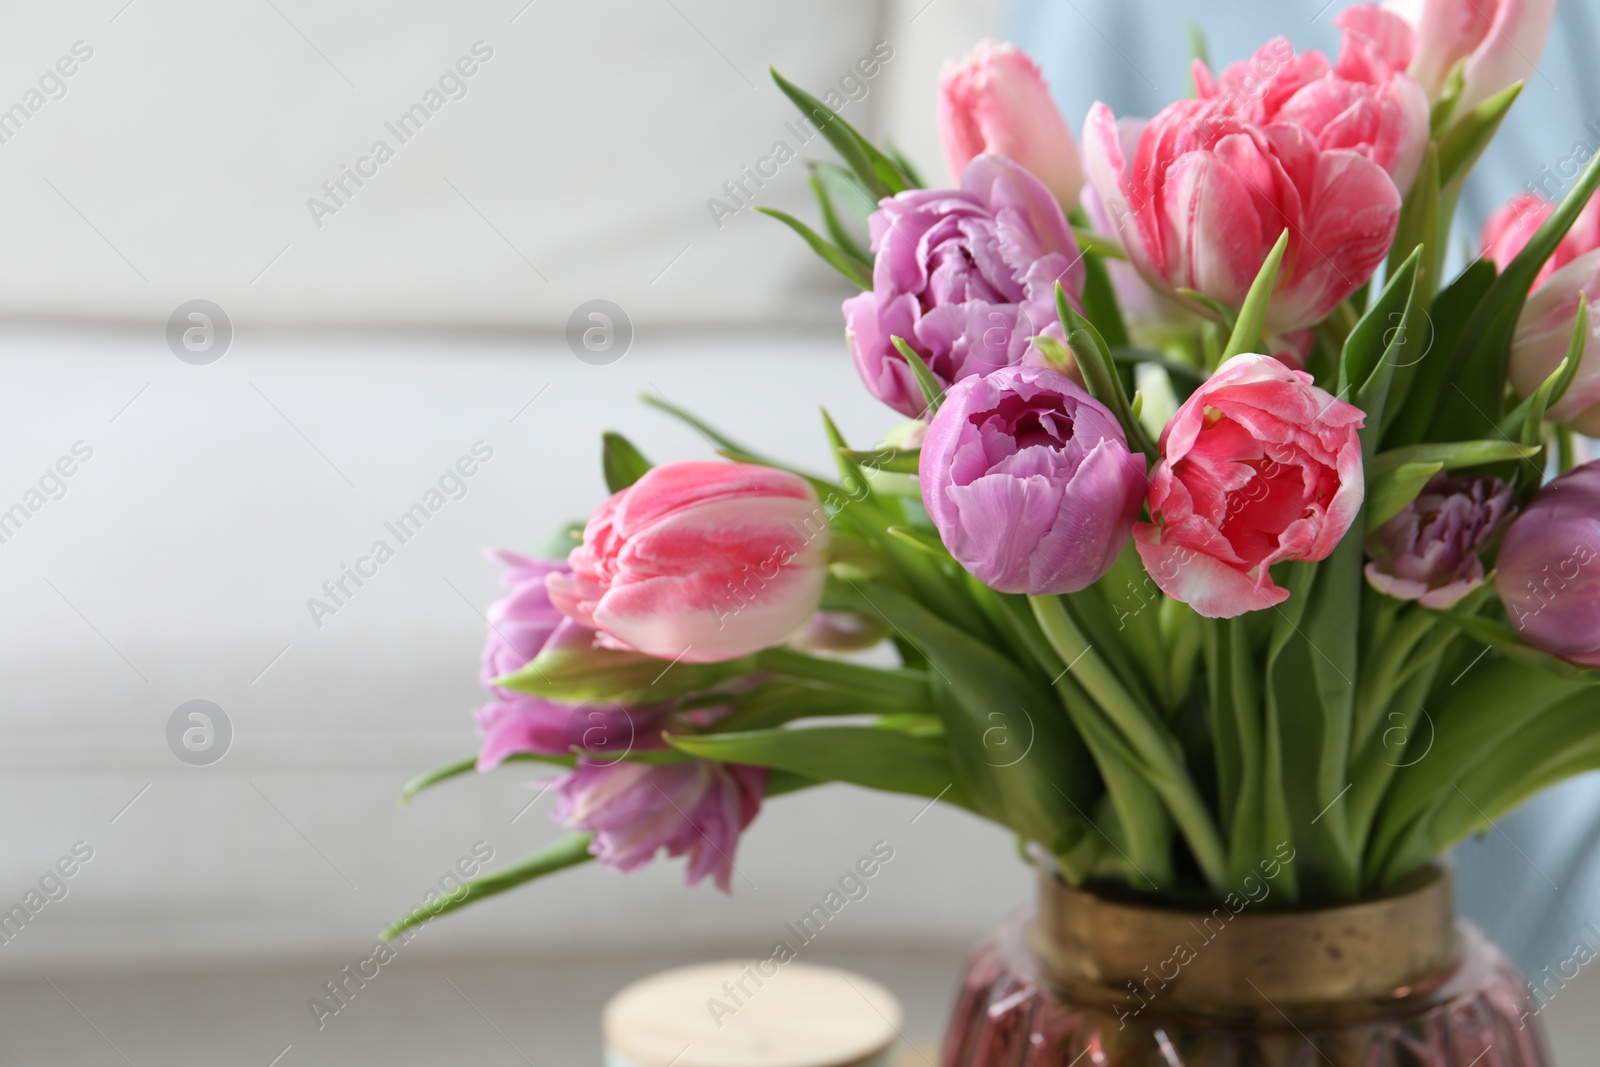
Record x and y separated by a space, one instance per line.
1230 524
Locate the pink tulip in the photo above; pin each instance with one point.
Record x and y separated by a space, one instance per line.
1543 334
1200 196
1360 103
1499 41
635 810
1258 466
700 562
1548 569
1511 227
996 101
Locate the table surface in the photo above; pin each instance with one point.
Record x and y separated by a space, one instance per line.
428 1010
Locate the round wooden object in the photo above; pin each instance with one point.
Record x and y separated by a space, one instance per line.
737 1013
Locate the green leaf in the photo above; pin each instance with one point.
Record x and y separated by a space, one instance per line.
437 775
1469 723
1099 372
892 460
922 540
623 464
1424 373
879 173
876 759
1377 345
848 242
932 391
1477 370
1419 226
1246 336
1471 133
900 684
1388 496
1212 306
568 851
577 672
906 166
1093 243
1100 303
1015 756
852 268
1448 455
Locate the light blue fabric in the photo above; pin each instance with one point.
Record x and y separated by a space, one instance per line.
1134 55
1533 883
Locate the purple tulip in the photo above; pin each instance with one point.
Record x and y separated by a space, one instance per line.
964 276
1429 551
1548 569
1029 481
522 621
521 625
635 809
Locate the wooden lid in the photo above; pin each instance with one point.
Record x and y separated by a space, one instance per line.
786 1015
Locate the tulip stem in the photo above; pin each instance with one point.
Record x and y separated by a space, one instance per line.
1154 746
1566 454
1144 823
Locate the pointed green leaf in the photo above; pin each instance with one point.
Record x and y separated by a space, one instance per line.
1211 306
891 460
1471 133
1448 455
575 671
1419 227
1477 372
1098 244
876 759
1099 370
1246 336
876 170
932 391
1016 757
851 267
1389 495
1421 384
623 464
437 775
848 243
1380 338
568 851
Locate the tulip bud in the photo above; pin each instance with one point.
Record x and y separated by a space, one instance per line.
1544 334
1497 43
1548 569
1513 225
1203 192
1429 551
699 562
996 101
1029 481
